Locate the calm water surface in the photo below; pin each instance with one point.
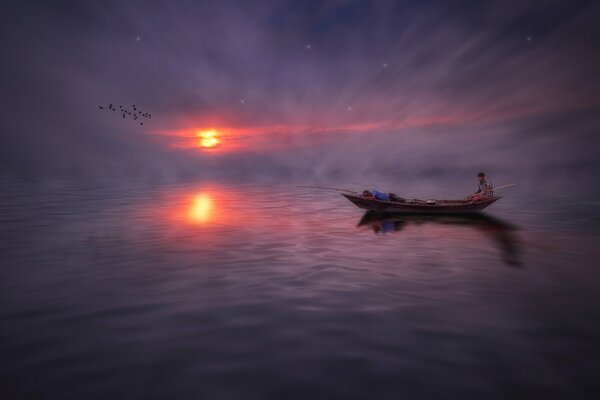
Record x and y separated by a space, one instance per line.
220 291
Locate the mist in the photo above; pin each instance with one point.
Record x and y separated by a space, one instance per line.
319 91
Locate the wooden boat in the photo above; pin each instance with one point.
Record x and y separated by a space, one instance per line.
420 206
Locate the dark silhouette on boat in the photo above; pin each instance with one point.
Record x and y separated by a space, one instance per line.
500 232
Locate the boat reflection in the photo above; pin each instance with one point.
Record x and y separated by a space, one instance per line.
500 232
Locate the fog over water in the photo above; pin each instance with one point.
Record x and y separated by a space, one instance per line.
180 259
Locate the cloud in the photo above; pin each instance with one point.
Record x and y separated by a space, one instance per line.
384 88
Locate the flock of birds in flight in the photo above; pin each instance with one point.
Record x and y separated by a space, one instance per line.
135 114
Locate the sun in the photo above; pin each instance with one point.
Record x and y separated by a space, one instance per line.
209 138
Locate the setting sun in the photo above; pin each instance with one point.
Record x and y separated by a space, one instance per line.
208 138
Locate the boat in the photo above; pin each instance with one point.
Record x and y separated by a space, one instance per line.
420 206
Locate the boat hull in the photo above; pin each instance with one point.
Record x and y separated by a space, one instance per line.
419 207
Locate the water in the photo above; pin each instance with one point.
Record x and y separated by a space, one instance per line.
222 291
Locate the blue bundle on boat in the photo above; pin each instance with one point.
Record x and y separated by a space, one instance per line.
381 196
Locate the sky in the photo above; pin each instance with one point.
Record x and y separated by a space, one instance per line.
300 90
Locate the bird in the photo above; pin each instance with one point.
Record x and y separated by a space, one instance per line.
135 113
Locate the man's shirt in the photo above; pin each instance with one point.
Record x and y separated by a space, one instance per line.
484 187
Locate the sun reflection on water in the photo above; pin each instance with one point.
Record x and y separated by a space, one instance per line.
201 210
208 206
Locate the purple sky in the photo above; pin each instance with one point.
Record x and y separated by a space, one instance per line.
301 89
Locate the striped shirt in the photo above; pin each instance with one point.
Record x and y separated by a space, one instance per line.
484 187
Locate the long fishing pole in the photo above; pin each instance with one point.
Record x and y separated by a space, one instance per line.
353 191
491 190
499 187
327 188
502 187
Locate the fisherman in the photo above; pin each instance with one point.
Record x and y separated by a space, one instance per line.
484 189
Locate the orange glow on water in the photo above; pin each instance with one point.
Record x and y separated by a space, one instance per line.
208 138
202 208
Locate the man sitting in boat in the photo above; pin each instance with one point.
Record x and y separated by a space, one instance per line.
484 189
